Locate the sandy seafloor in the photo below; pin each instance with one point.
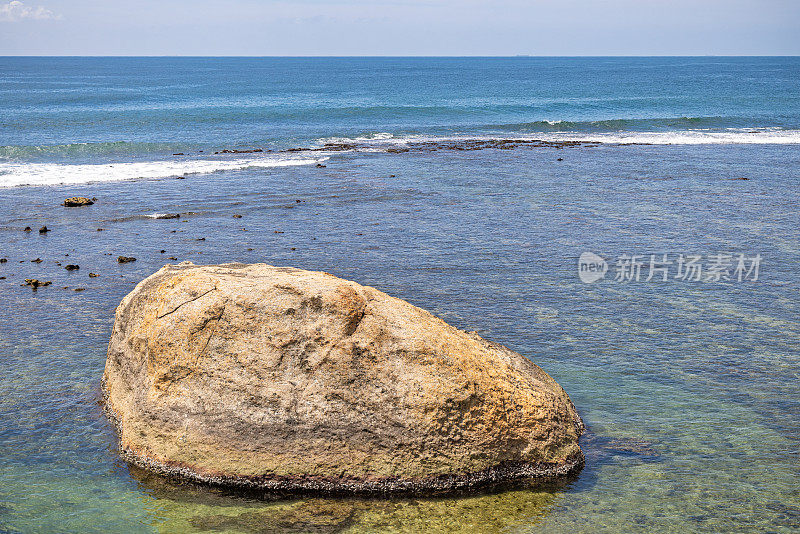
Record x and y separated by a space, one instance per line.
689 390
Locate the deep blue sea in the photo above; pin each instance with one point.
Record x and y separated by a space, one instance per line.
467 186
57 113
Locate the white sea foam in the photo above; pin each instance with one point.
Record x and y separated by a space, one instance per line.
686 137
18 174
374 137
764 136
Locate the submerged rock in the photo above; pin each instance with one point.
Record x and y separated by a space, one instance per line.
74 202
282 379
34 283
125 259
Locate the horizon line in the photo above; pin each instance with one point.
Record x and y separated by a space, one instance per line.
397 56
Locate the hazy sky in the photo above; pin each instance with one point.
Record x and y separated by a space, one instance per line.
400 27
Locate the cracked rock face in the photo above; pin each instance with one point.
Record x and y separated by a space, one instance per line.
282 379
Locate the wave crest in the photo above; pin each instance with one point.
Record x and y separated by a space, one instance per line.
19 174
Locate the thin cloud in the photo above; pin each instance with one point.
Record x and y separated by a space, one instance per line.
15 11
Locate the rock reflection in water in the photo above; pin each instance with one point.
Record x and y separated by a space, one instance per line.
189 507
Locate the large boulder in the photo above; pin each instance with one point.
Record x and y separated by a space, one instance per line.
283 379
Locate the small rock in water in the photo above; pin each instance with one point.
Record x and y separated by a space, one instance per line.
43 230
321 166
28 229
173 258
179 154
34 283
93 275
74 202
3 260
163 251
80 289
125 259
37 260
72 267
201 238
235 151
99 229
560 159
237 216
2 277
166 216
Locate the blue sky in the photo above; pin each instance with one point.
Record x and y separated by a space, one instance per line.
400 27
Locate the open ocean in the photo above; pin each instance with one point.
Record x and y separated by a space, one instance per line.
467 186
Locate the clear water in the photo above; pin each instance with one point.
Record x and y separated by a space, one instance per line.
689 389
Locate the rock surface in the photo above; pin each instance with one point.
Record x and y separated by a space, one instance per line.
282 379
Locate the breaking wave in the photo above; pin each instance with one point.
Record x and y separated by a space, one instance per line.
19 174
729 136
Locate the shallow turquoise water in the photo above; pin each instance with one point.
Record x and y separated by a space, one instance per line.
689 389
